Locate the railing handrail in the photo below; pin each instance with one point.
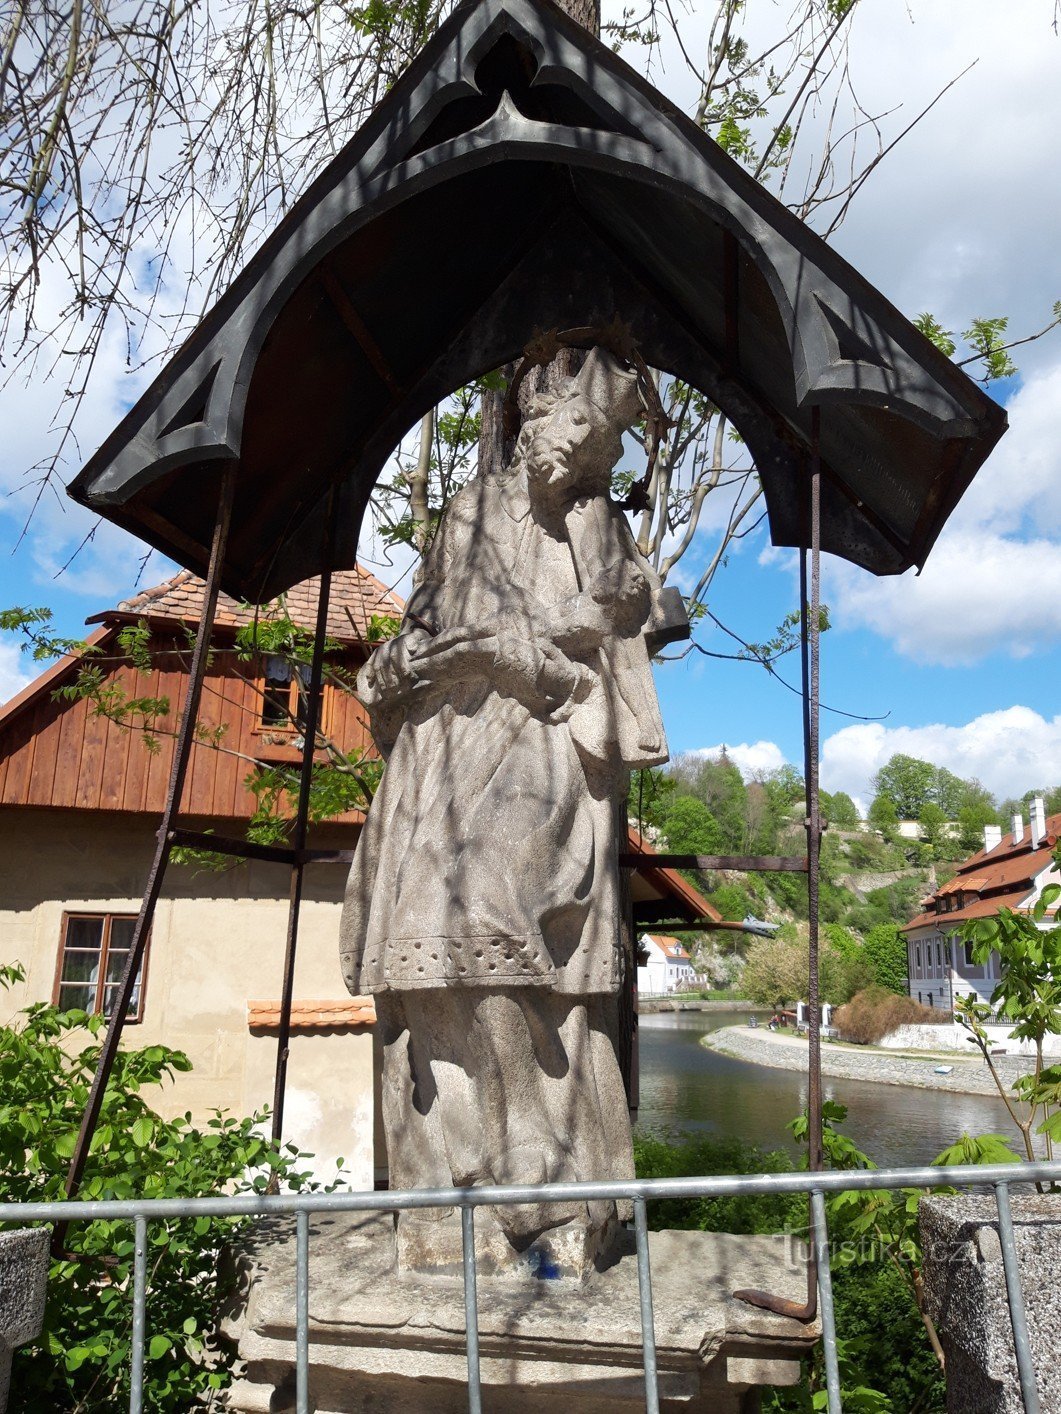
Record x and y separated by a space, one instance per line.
143 1211
714 1185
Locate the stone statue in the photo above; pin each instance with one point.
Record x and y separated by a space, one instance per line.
483 905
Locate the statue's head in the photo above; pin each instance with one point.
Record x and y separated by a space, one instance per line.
571 440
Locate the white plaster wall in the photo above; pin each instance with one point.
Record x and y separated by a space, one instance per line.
952 1037
217 943
652 976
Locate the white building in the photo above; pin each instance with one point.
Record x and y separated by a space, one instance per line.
1010 871
669 967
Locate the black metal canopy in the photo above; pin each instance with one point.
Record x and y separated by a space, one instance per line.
521 177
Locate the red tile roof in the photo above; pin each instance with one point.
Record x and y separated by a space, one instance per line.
355 598
670 884
969 883
979 908
1002 876
671 948
313 1016
1009 847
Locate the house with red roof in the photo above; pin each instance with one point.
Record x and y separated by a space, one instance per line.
1011 872
666 968
80 800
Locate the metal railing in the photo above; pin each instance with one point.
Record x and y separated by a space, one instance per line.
142 1212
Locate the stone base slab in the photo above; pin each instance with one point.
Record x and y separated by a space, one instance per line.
382 1340
23 1288
431 1244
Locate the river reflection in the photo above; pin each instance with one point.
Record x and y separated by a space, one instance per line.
686 1087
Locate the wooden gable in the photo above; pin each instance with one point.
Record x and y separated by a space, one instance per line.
56 753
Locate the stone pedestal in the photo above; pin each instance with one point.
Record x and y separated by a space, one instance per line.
384 1340
966 1288
429 1243
23 1285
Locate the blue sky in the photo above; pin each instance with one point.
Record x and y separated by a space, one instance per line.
962 663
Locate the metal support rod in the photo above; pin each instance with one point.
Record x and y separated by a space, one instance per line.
648 1325
750 863
471 1310
810 642
302 1312
1018 1313
178 773
136 1369
309 744
820 1238
490 1195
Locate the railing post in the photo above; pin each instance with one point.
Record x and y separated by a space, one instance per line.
820 1237
136 1369
471 1310
648 1325
1017 1313
302 1311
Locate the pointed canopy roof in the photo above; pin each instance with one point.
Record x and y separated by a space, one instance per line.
521 177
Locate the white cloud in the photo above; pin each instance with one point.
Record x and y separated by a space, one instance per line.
13 675
750 757
1010 751
979 594
993 581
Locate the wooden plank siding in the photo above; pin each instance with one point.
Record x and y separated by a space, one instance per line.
62 754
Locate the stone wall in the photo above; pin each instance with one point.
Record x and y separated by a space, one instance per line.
965 1287
968 1077
952 1037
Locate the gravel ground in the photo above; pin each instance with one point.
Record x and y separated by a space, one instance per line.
968 1076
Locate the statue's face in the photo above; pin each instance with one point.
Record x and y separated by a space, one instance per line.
573 445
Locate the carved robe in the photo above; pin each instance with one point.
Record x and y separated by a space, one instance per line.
489 854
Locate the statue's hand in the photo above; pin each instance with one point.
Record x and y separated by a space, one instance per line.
535 669
390 672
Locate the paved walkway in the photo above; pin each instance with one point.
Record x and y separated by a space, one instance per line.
785 1051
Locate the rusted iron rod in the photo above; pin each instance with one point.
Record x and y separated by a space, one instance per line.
810 660
178 773
247 849
301 827
750 863
225 844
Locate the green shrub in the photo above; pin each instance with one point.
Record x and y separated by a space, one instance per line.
875 1012
81 1361
697 1157
733 901
886 1363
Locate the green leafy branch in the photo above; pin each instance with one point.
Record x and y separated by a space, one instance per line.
986 337
81 1361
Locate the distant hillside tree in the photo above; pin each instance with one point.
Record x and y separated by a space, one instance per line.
908 783
884 816
690 828
931 822
844 812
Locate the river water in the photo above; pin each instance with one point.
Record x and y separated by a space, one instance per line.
686 1087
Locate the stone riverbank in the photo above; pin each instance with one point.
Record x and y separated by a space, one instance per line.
646 1006
968 1076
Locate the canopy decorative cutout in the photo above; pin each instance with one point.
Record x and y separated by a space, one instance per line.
521 177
